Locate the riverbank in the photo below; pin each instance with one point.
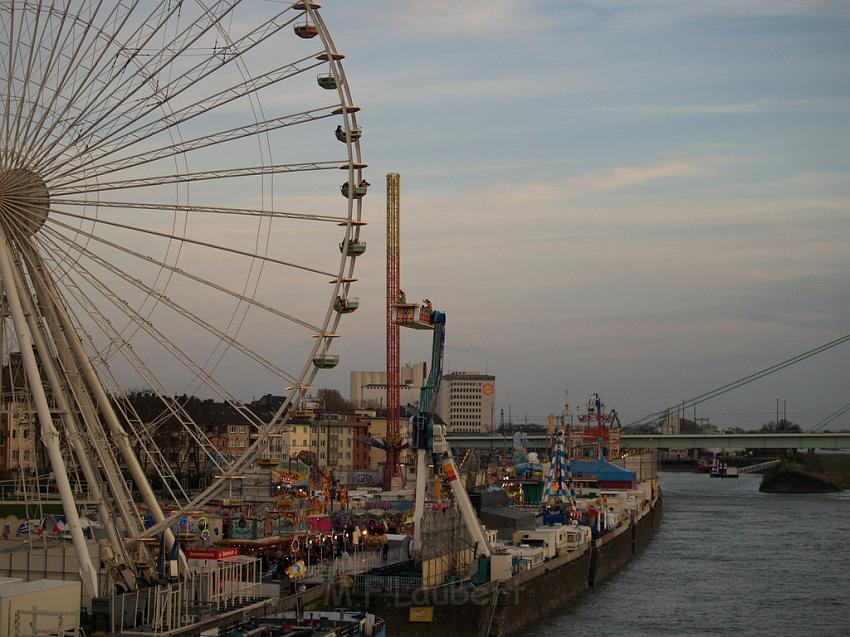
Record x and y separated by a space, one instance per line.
808 473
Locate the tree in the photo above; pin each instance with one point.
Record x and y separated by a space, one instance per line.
782 427
331 401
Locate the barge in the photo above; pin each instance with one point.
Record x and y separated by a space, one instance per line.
600 509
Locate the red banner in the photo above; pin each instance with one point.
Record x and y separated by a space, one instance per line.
211 554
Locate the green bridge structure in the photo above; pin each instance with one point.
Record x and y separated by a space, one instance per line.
803 440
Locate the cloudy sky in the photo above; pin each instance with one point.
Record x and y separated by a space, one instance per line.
643 199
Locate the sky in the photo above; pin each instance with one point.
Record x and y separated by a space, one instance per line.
647 200
642 199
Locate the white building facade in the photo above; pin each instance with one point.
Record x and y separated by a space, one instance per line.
467 402
369 389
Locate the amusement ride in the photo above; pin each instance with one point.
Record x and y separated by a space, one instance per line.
181 201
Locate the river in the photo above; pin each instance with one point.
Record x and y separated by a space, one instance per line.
727 560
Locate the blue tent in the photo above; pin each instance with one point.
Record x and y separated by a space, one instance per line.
602 470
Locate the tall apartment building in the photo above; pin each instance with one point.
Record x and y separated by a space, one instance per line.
369 389
467 402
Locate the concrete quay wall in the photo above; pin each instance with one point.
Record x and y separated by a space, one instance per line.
522 603
610 554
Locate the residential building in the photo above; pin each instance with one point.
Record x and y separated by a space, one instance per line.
467 401
336 441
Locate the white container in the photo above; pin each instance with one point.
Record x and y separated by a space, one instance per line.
39 607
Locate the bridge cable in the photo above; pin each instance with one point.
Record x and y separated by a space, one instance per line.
696 400
838 412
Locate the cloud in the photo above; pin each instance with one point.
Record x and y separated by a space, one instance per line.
473 18
662 12
626 176
808 105
611 179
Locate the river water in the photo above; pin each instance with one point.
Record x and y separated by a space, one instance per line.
727 560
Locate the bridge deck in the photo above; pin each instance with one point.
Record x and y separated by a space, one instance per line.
680 441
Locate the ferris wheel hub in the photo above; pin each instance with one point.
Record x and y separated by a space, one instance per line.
24 199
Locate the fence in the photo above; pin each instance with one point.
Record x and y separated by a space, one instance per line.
160 609
386 583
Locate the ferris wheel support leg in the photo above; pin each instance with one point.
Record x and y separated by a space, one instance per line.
69 422
121 437
419 507
49 435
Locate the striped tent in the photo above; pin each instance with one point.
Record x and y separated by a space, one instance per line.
559 483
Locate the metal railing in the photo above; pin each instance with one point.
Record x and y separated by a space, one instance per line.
352 564
386 583
161 609
753 468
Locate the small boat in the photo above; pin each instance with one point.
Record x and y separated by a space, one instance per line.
717 469
720 469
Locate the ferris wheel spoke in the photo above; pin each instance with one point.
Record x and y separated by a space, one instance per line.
213 210
136 110
205 175
45 73
141 37
185 313
104 76
167 344
233 51
70 65
185 239
136 425
144 131
33 49
10 58
202 280
106 111
127 352
91 83
197 143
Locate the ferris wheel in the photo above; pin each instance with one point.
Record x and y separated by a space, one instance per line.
181 197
